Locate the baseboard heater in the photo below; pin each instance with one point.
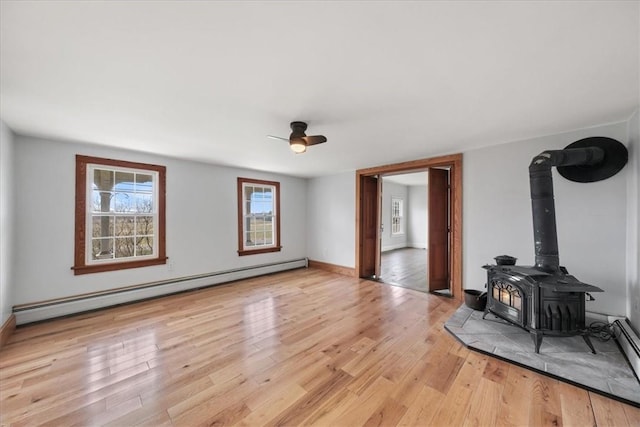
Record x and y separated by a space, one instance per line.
629 342
28 313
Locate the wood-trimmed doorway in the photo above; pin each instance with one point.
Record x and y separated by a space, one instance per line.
364 215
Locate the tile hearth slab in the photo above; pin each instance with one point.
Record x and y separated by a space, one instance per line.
565 358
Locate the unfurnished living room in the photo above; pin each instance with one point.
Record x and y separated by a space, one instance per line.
336 213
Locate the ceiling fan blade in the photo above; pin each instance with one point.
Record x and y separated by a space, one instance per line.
314 139
277 137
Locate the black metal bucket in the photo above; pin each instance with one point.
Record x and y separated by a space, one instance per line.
475 299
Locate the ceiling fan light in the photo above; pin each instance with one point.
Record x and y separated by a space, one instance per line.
298 146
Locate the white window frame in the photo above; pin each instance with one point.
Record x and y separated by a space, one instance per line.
91 168
397 216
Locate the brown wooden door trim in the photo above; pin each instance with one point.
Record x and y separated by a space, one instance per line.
454 161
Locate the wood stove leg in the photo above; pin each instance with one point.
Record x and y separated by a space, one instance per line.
588 341
537 339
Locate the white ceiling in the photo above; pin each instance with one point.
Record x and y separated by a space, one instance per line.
383 81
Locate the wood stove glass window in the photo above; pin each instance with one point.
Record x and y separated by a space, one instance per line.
507 294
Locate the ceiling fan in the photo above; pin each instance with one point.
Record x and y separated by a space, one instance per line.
298 140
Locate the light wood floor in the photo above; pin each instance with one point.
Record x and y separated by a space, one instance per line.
296 348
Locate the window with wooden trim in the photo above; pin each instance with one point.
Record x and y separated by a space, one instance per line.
258 216
396 215
120 215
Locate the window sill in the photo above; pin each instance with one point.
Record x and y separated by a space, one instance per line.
259 251
99 268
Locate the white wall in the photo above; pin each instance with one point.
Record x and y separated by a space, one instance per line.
201 220
7 218
417 217
591 218
391 190
633 218
318 218
331 215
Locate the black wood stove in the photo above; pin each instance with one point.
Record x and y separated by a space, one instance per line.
545 299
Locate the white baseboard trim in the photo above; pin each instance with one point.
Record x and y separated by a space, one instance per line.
392 247
50 309
596 317
417 245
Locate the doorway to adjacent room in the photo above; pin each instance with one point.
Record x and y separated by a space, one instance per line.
388 249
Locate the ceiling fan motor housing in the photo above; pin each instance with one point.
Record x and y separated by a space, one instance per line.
298 129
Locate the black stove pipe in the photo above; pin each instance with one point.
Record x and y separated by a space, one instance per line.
542 204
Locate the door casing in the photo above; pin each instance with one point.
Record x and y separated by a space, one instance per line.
454 162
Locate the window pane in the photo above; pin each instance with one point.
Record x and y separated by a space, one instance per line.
143 203
101 201
124 247
248 191
249 238
267 223
102 249
124 226
124 202
262 207
144 225
144 246
144 183
124 181
102 226
103 179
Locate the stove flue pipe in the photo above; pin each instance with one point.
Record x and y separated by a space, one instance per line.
542 204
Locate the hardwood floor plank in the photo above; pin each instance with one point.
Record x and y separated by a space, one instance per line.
576 406
608 413
516 397
305 347
484 404
313 400
366 404
388 414
633 415
423 408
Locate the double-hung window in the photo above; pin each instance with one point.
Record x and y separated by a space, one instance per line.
396 215
120 215
258 216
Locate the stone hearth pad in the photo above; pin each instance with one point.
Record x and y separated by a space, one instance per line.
567 359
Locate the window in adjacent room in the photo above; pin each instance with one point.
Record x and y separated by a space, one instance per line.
396 215
258 216
120 215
